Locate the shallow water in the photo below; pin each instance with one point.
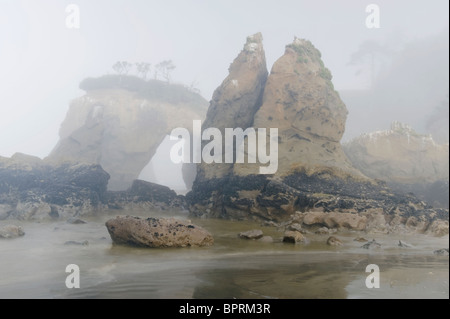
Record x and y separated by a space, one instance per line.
34 266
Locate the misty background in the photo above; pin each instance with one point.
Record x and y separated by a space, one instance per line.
397 72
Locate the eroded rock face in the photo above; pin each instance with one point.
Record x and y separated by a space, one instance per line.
157 232
31 189
300 100
314 174
236 100
408 161
147 196
121 125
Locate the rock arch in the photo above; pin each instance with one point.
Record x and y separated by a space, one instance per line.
121 128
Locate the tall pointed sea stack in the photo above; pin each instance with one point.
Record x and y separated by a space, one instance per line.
313 176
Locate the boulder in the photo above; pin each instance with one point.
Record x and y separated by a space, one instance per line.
293 237
11 231
333 241
157 232
251 234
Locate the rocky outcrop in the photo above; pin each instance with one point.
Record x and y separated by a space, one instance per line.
408 161
11 231
300 101
236 100
314 174
157 232
120 123
147 196
31 189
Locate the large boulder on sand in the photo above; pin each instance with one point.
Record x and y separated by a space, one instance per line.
157 232
11 231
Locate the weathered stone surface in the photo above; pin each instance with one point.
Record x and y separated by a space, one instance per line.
360 239
236 100
120 123
314 174
438 228
251 234
334 219
11 231
408 161
333 241
293 237
299 100
145 195
157 232
32 189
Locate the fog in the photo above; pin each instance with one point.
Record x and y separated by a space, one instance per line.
396 72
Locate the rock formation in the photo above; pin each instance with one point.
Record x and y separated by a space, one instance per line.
408 161
237 99
314 174
33 189
298 98
157 232
120 123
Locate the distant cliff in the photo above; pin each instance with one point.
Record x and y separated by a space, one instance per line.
120 123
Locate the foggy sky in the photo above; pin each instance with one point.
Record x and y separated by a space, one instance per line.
42 61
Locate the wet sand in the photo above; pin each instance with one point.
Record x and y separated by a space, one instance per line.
34 266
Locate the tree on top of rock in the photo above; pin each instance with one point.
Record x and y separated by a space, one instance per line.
164 69
122 67
143 68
